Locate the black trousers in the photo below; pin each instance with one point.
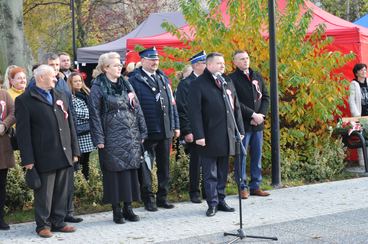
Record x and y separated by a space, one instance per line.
158 150
50 201
3 176
215 170
194 171
84 162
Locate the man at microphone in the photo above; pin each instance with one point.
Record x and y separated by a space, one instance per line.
213 128
254 102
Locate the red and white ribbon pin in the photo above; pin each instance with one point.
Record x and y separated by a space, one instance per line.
61 104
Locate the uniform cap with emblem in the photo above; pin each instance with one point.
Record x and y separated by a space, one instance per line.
201 56
149 53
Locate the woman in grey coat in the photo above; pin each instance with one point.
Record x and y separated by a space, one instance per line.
118 130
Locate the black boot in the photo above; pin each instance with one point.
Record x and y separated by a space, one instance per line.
3 225
129 214
117 214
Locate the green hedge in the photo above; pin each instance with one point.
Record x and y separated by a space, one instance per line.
316 164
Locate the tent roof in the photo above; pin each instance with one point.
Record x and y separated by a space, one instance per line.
363 21
151 26
335 26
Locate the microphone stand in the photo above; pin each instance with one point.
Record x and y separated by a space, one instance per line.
238 145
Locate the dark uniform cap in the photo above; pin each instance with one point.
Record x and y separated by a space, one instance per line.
201 56
149 53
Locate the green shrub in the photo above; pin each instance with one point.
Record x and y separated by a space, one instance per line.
316 163
179 172
88 192
19 196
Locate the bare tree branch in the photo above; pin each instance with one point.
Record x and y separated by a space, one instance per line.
35 5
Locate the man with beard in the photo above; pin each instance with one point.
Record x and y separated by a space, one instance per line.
154 94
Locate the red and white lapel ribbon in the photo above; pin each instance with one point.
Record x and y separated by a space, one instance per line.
61 104
230 98
255 83
355 127
3 104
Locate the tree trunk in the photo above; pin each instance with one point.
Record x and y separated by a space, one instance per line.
13 46
81 33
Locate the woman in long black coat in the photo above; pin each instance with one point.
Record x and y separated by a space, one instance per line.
118 130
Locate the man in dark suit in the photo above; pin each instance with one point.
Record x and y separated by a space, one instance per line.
198 63
254 102
48 142
214 129
159 109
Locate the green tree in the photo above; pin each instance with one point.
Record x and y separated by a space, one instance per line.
349 10
48 22
309 89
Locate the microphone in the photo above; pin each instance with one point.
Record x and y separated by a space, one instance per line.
221 78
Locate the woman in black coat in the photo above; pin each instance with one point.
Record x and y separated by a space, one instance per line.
118 130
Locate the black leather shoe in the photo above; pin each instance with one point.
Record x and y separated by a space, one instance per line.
72 219
150 206
224 207
3 225
129 214
211 211
165 204
195 199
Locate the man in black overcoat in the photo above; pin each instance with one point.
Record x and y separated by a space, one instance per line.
254 103
198 63
48 142
214 129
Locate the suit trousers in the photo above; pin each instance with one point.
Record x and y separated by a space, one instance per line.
194 170
158 150
70 206
50 201
215 171
3 176
253 142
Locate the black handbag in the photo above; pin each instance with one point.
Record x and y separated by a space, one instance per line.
13 138
32 179
83 128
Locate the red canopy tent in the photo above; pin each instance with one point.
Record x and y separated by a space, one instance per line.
348 37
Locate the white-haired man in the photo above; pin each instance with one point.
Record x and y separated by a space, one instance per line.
48 142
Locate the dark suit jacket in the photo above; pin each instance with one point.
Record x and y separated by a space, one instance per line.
182 93
45 137
248 97
210 116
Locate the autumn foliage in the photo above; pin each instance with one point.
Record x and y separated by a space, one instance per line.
310 90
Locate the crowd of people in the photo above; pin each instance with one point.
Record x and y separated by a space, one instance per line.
131 119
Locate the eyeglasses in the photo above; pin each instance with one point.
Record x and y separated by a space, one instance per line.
116 66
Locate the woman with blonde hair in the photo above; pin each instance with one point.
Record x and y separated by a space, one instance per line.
80 97
6 82
118 130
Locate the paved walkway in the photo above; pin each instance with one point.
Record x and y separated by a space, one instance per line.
283 214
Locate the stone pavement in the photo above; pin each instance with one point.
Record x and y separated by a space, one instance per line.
334 212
